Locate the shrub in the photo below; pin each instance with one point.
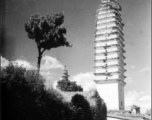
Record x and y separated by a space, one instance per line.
66 85
83 110
24 98
99 110
21 91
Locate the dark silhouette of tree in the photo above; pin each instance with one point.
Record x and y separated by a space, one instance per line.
83 109
99 111
21 91
47 31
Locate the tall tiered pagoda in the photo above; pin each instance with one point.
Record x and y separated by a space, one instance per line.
109 58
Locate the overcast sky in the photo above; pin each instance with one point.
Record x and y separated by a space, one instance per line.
80 23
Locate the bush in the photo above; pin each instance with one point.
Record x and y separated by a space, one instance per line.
89 102
24 98
66 85
83 110
21 90
99 110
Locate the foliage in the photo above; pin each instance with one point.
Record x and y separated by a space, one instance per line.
21 91
89 103
99 110
134 107
66 85
71 86
83 110
24 98
47 31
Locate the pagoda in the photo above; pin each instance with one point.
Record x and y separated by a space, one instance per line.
65 75
109 54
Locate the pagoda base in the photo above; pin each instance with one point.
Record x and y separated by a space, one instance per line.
112 92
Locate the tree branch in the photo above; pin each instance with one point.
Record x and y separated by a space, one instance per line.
43 50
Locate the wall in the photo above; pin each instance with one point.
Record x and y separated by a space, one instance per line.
121 96
109 93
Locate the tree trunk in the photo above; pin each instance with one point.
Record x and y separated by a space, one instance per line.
39 57
39 62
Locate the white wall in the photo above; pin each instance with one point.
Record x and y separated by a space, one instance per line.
109 93
108 118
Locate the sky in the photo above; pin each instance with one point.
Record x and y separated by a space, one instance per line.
80 16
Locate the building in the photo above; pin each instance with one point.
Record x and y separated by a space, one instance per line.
109 58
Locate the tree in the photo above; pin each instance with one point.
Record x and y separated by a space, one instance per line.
47 31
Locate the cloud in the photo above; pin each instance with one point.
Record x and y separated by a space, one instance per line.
4 62
138 98
23 63
49 63
132 66
85 80
145 69
146 98
129 80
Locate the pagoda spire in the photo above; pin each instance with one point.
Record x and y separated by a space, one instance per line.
65 75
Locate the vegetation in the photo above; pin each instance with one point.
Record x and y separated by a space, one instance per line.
66 85
83 110
24 98
148 112
134 107
47 31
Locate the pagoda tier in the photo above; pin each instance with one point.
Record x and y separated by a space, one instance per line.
109 42
109 37
109 76
112 48
109 62
104 69
109 55
108 30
